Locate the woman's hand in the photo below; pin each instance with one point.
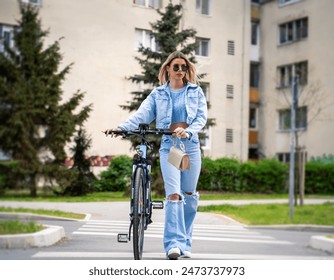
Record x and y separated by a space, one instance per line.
181 132
109 132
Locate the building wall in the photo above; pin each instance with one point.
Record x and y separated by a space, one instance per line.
317 94
99 37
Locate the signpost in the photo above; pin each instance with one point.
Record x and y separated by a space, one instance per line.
294 106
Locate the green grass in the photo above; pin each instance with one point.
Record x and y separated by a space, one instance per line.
49 197
275 214
120 196
55 213
18 227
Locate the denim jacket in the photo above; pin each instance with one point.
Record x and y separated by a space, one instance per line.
158 106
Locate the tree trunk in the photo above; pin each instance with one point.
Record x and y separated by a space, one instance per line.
32 185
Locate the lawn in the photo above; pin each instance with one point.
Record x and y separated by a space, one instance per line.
18 227
276 214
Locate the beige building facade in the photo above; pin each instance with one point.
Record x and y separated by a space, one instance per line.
296 39
239 50
101 38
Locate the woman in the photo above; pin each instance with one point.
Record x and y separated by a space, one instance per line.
180 105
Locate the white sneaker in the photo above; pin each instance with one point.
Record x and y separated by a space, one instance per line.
186 255
174 253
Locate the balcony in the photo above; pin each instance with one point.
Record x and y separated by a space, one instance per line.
254 95
253 138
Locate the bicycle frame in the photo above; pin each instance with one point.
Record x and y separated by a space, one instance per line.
140 162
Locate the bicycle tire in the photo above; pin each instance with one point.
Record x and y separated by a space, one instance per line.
138 214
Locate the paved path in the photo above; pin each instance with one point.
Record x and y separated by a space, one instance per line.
118 212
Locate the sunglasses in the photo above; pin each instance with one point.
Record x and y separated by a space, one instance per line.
176 67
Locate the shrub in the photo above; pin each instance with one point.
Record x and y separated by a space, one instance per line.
208 176
7 171
230 175
118 175
227 170
319 177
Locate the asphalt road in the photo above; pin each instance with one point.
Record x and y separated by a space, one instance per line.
216 237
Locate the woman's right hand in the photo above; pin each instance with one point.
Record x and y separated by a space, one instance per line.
109 132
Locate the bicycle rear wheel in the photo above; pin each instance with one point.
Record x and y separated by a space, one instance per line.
138 214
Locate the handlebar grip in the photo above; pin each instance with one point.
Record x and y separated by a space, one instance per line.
119 132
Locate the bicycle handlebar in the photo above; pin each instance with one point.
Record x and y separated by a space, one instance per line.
141 132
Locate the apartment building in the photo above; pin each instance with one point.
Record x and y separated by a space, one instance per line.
249 51
295 40
102 37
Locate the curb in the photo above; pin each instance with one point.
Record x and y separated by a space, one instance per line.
296 227
46 237
322 243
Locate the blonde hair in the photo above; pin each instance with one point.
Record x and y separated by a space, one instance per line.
191 75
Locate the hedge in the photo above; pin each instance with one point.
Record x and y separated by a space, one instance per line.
232 175
263 176
319 178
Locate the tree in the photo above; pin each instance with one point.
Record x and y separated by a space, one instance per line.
84 182
167 37
309 103
34 125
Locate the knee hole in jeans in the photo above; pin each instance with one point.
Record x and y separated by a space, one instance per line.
174 197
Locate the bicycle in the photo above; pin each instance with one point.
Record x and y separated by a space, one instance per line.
141 203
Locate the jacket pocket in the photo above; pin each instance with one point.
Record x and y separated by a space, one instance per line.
162 108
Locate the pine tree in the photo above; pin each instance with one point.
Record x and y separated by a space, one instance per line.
168 38
35 124
84 181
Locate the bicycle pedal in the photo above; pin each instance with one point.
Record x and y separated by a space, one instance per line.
123 237
158 204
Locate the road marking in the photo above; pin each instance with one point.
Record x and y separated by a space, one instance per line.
253 235
221 239
151 255
202 232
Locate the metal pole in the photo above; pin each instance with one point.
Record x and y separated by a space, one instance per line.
294 106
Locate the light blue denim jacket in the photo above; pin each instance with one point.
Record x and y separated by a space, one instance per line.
158 106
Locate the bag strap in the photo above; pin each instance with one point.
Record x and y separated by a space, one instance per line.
183 148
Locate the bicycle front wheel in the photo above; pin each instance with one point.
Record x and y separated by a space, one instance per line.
138 214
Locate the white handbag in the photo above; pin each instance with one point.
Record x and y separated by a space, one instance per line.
178 157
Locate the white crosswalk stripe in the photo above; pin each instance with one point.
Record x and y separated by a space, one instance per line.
228 233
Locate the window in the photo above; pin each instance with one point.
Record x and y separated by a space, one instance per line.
285 2
285 118
229 135
254 75
202 48
6 36
230 91
287 72
203 7
156 4
205 87
293 31
144 38
255 33
283 157
35 2
253 153
230 47
253 118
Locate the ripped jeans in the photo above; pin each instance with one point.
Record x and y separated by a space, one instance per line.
180 214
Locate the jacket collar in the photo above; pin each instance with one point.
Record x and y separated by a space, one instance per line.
164 87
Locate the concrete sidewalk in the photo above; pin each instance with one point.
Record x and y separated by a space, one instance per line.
102 211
